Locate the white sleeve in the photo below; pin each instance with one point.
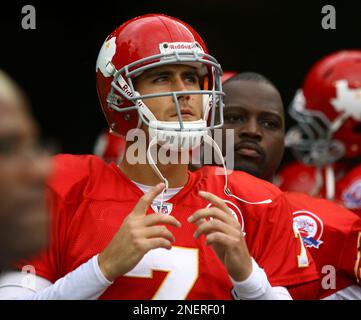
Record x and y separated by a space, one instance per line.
257 287
84 283
349 293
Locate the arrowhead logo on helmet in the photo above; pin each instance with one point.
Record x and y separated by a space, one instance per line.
347 100
105 57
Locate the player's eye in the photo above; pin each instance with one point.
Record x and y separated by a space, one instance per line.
16 148
192 78
8 147
271 124
160 79
233 118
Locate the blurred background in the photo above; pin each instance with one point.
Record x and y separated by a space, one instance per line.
55 63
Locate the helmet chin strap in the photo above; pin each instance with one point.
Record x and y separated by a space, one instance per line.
156 170
207 139
330 182
329 171
318 182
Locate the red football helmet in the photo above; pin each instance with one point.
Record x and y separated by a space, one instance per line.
109 147
228 75
328 111
146 42
297 177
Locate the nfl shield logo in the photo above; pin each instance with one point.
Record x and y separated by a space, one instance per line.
166 208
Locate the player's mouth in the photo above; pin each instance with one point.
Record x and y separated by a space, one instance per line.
186 113
249 149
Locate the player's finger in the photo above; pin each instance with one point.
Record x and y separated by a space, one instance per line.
218 238
145 201
159 218
200 221
216 225
158 232
216 201
207 213
155 243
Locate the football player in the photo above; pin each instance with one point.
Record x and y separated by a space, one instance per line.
327 138
23 169
148 228
254 109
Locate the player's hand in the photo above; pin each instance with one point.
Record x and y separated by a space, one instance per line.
138 234
224 233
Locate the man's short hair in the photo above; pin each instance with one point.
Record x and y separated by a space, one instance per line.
251 76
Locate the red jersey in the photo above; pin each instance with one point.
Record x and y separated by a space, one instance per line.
333 236
348 190
89 200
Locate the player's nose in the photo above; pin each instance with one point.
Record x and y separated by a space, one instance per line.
180 85
250 128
